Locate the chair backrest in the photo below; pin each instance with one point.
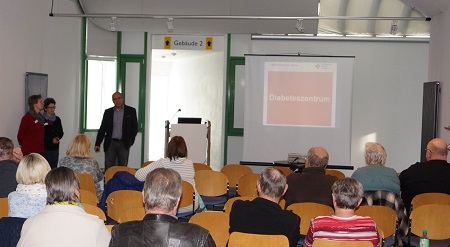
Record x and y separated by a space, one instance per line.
187 196
430 198
217 223
282 203
87 182
234 172
109 227
384 217
112 170
246 185
308 211
88 197
146 163
285 170
335 173
211 183
229 204
201 166
432 217
131 214
240 239
3 207
91 209
10 228
120 200
320 242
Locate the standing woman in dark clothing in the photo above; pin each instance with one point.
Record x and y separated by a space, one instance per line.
31 129
53 133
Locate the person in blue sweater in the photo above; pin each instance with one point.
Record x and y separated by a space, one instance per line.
376 176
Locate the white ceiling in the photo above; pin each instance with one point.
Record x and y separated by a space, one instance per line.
278 8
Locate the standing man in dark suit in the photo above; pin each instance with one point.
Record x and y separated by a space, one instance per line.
119 128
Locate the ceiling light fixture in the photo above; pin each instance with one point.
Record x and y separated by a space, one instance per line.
170 25
394 27
299 26
112 24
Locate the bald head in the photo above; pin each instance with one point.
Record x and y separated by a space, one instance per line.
317 157
117 100
437 150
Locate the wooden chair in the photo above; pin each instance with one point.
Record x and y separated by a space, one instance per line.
285 170
3 207
320 242
308 211
212 187
431 217
335 173
187 198
112 170
233 173
217 223
88 197
282 203
146 163
430 198
119 201
201 166
131 214
246 185
109 227
94 210
87 182
229 203
239 239
385 217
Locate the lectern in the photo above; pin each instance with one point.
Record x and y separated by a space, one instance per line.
196 136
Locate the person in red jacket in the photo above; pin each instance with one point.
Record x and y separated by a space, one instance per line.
31 129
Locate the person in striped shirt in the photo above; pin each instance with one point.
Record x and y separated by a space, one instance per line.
344 224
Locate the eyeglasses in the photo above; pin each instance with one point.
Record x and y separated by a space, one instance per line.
426 149
51 107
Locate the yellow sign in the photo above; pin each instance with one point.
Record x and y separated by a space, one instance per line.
167 42
209 43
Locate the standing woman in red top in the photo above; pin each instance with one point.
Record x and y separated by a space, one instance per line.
31 130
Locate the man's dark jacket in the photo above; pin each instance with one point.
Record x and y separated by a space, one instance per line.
8 182
160 230
129 127
262 216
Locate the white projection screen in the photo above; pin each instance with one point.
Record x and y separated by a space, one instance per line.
293 103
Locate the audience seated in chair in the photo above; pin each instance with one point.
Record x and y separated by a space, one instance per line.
29 198
344 225
263 215
9 159
162 193
429 176
63 222
312 185
376 176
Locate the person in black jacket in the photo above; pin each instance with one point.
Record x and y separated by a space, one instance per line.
119 129
160 227
53 133
263 215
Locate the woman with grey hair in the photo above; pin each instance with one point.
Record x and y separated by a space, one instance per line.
344 224
63 221
376 176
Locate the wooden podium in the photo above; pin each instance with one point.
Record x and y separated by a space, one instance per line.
197 138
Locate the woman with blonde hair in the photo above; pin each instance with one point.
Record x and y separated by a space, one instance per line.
30 196
79 160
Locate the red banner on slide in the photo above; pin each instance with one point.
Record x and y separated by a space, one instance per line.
300 98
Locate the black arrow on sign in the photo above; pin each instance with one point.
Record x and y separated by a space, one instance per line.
167 42
209 43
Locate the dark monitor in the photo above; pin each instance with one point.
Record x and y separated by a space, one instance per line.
189 120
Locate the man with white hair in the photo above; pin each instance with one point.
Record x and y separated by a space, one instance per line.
9 158
376 176
160 227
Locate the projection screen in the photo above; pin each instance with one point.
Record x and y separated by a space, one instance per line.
293 103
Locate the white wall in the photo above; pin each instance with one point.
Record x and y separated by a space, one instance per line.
387 91
31 41
439 63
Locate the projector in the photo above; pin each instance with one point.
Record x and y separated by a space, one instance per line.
296 158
